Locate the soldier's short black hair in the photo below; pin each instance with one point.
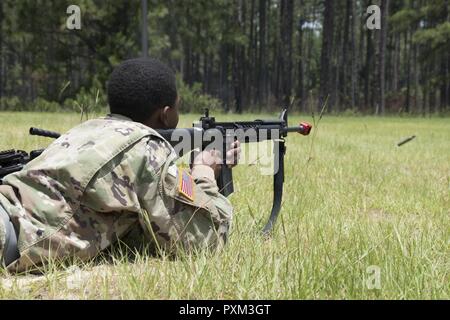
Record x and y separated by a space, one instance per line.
138 87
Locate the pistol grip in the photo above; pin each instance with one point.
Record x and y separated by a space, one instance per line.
225 181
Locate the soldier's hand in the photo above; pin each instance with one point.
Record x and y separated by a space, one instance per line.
213 158
208 158
234 154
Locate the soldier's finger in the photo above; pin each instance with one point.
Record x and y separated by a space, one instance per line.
233 156
235 144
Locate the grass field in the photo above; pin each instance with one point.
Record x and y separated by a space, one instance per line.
361 219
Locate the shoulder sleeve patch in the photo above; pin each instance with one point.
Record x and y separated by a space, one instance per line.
186 184
181 187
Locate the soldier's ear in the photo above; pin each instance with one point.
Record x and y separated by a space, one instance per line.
165 116
169 117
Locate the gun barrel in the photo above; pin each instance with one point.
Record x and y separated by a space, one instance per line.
243 131
304 129
44 133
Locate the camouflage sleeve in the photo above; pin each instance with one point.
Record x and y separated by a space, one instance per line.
180 209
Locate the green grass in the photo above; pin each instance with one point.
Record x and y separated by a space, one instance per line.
353 200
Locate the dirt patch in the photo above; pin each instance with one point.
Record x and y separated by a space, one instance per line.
378 215
67 284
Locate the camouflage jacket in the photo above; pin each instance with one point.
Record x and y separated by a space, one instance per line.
102 179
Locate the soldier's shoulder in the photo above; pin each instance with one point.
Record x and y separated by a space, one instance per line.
148 145
158 151
148 154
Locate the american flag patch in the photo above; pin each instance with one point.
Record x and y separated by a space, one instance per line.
186 184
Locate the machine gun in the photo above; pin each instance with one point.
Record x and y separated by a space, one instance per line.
206 133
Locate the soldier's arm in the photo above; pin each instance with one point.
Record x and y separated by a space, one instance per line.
182 208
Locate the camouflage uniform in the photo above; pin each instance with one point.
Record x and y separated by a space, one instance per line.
102 179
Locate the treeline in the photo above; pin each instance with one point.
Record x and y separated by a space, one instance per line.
250 54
